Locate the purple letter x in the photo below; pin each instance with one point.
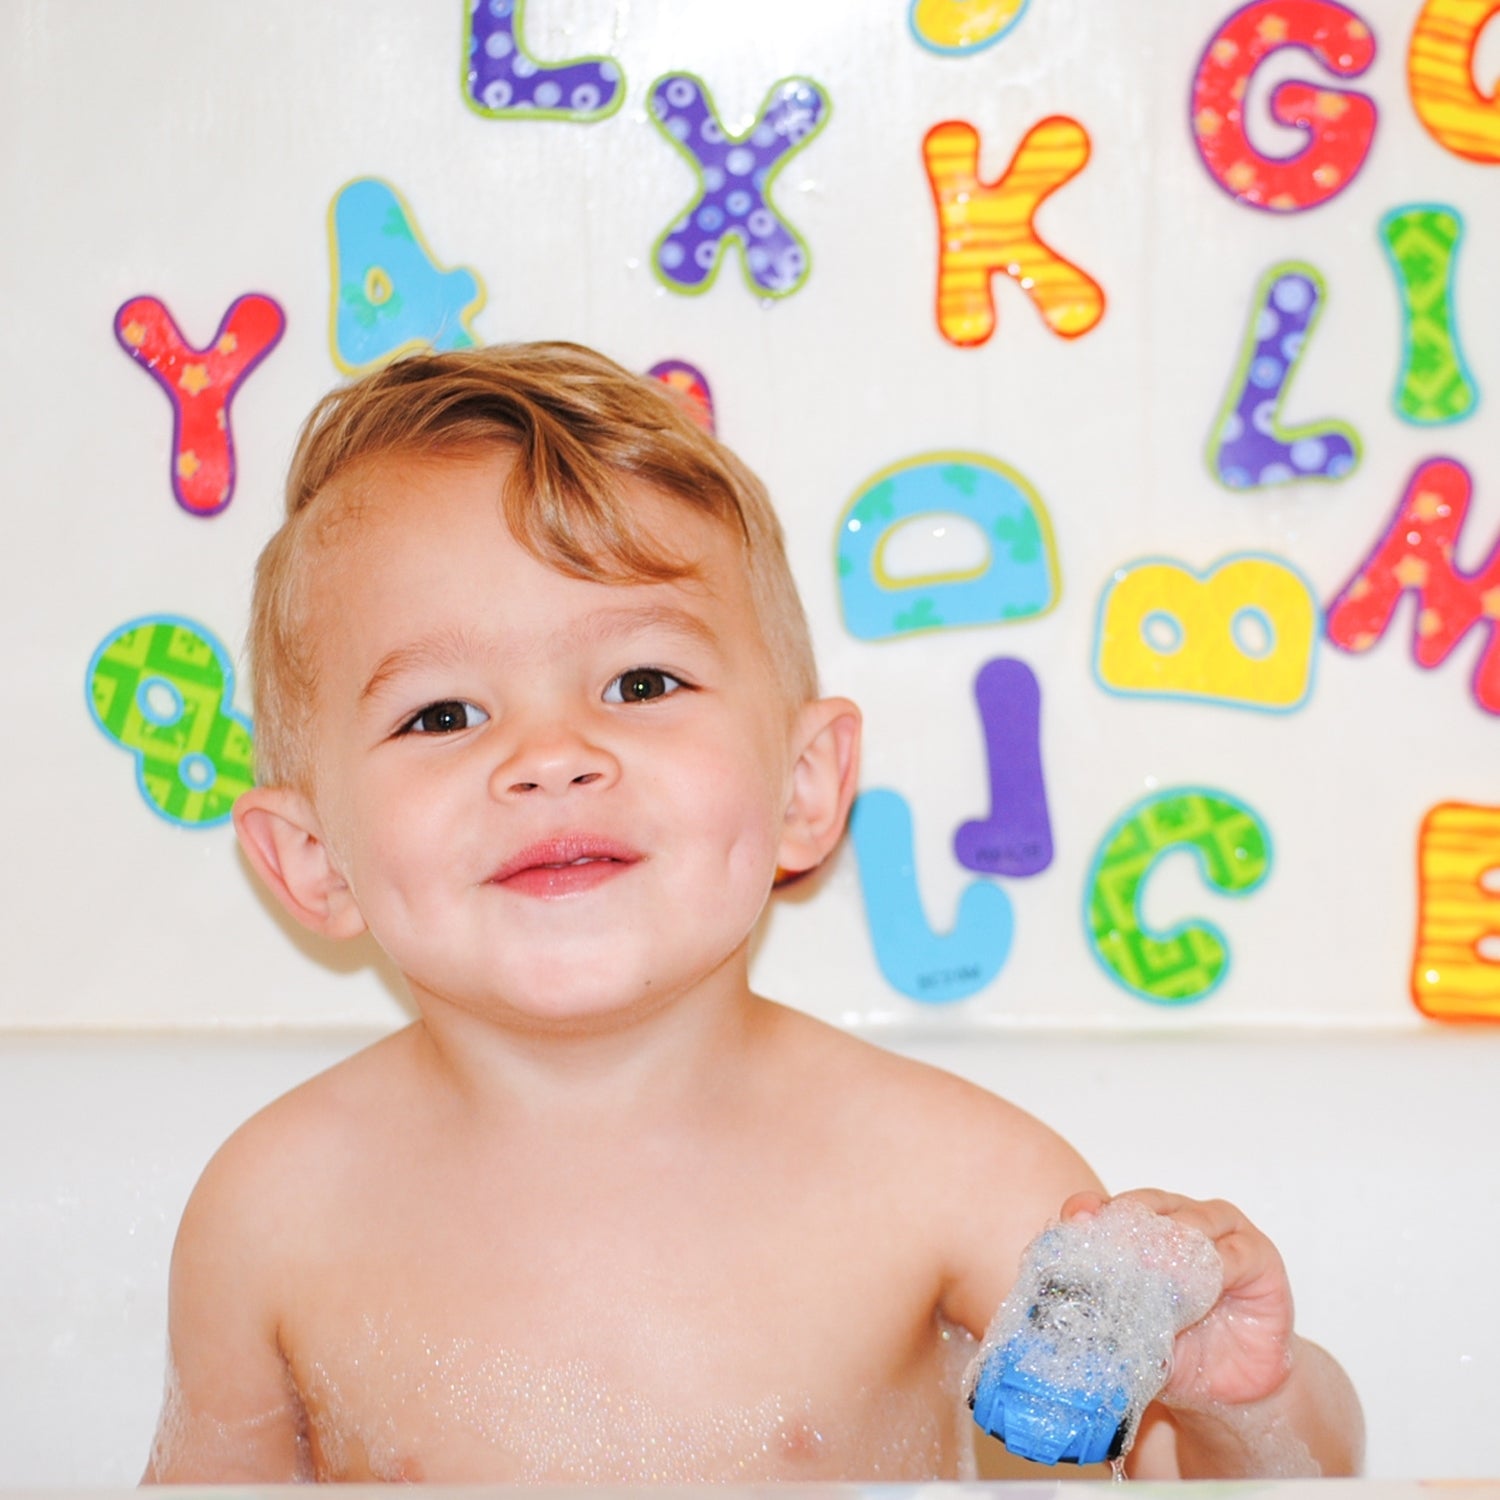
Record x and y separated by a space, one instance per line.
735 175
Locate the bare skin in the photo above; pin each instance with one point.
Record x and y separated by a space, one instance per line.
759 1255
603 1213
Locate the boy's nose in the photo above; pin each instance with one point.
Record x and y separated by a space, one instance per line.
552 762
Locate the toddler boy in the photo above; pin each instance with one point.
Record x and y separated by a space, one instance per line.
536 707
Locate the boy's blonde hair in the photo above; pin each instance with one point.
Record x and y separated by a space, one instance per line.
575 424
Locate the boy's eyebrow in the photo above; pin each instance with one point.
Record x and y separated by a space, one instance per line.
608 624
451 646
440 649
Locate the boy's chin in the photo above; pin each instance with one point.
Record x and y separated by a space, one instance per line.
582 1015
558 1008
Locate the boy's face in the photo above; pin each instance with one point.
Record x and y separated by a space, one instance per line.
551 799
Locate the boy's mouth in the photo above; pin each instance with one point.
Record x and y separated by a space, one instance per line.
563 866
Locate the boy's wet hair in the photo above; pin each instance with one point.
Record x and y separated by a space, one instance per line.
575 424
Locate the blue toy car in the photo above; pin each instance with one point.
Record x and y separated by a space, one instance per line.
1081 1415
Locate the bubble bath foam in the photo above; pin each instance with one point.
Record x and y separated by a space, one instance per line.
1083 1342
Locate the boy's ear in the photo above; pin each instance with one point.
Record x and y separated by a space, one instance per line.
824 778
279 831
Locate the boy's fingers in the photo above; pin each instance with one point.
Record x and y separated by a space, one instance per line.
1244 1250
1082 1206
1211 1216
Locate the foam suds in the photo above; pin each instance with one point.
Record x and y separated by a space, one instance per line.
497 1415
191 1446
1272 1450
1107 1293
958 1353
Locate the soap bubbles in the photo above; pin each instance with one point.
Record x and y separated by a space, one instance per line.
1084 1341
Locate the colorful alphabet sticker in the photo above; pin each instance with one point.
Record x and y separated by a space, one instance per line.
1440 72
1190 959
1338 124
1016 836
691 384
389 293
201 384
958 28
1453 978
502 80
162 688
735 174
1416 555
1018 582
1250 448
1243 633
988 228
935 967
1434 385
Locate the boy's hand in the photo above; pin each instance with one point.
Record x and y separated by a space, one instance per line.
1241 1351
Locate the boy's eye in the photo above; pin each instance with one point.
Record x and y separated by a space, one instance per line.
641 684
445 718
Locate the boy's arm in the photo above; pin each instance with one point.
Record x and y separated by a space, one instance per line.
231 1412
1246 1396
1312 1426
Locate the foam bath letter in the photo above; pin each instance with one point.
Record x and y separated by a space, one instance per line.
1249 447
1189 960
960 27
1019 581
1167 632
1422 242
1339 123
914 959
1416 553
389 294
735 174
1440 71
690 382
502 80
162 688
1016 837
985 228
200 384
1451 977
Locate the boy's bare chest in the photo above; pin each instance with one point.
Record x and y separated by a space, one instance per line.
653 1328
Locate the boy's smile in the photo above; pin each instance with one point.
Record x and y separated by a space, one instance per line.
559 867
550 798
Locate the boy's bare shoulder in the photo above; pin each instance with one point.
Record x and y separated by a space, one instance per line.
292 1160
951 1127
978 1174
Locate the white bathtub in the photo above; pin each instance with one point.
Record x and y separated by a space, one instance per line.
1370 1159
